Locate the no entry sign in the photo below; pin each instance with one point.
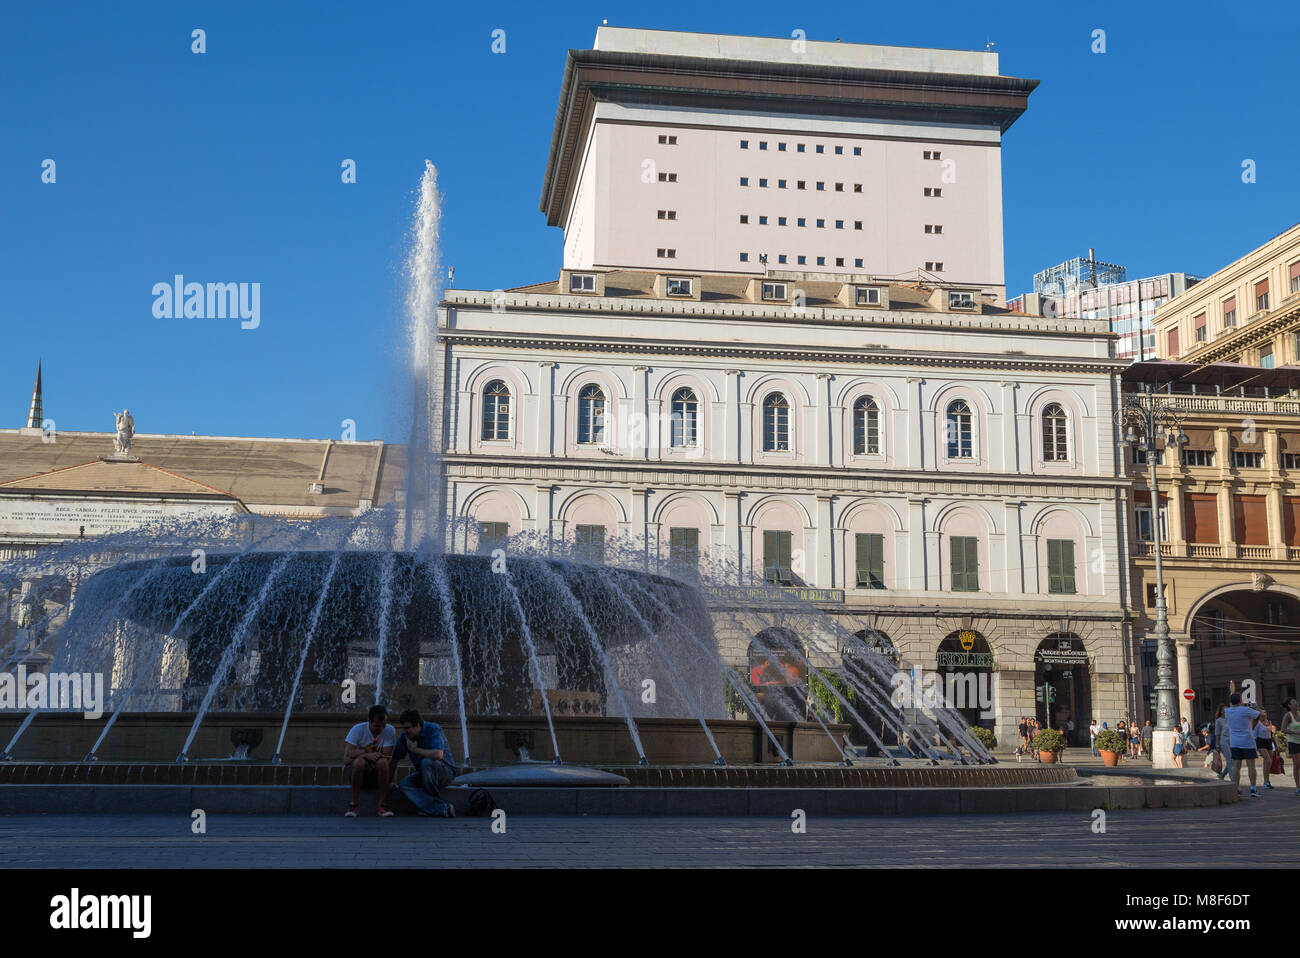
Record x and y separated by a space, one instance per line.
1189 694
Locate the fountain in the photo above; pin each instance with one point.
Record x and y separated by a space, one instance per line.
544 667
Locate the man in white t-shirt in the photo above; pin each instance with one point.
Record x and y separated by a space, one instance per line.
1092 735
1242 720
367 755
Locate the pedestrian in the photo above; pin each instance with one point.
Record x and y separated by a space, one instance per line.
1180 746
1134 740
1024 735
1291 729
430 754
1264 742
1241 734
1146 738
1092 736
1221 745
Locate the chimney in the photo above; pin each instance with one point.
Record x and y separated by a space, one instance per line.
36 415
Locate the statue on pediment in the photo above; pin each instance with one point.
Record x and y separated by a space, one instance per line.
125 432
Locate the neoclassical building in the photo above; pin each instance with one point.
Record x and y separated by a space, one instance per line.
917 461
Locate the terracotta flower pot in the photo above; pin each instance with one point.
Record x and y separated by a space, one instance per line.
1110 758
1049 758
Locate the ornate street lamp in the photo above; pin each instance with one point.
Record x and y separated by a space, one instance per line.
1143 420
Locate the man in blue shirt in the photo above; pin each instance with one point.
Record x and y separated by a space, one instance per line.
431 755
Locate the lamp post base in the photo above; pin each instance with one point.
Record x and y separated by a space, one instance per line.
1162 749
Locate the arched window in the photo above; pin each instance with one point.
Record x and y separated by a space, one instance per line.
958 429
1055 448
591 414
685 415
776 423
496 410
866 427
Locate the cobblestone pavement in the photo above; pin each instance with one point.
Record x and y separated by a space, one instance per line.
1263 831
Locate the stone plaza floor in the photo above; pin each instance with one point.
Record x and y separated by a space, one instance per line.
1251 833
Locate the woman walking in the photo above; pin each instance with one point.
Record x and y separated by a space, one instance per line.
1291 729
1221 743
1264 744
1180 746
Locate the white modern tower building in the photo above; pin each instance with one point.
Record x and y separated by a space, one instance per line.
706 152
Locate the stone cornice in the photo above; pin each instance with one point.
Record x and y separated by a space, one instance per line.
814 479
876 356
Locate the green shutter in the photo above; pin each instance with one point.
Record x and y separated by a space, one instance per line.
1060 566
776 556
871 560
965 564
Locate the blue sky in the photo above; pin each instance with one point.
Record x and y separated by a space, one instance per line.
225 166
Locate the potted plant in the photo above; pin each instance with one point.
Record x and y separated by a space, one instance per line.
825 700
1049 743
984 736
1110 742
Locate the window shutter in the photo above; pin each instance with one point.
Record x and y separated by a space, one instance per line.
972 564
1291 520
1066 565
1250 517
1201 517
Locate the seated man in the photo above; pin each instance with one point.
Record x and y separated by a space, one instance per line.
367 755
434 770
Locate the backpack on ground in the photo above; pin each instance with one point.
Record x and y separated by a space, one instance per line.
480 804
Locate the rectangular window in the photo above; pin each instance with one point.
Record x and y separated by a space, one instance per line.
821 185
1198 457
780 221
582 282
867 296
762 181
857 224
800 185
1173 343
821 224
744 217
680 286
839 261
820 148
1261 294
858 263
1266 356
839 187
744 257
871 560
960 300
839 151
492 535
744 181
1294 274
1060 566
780 147
802 260
1247 460
1142 515
821 260
774 291
1198 323
1140 457
780 184
857 187
801 222
799 148
1230 311
857 151
684 549
590 543
744 144
839 224
1201 517
762 144
781 258
776 557
965 564
1250 519
762 221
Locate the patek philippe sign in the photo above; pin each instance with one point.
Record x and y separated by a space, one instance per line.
26 516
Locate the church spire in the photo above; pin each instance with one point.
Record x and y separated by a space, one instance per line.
36 415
